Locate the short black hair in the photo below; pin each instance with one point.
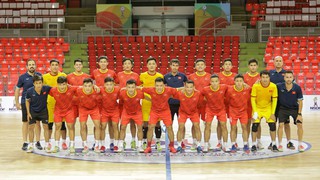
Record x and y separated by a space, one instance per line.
61 79
30 60
253 60
265 72
54 60
37 78
77 60
102 57
289 72
238 76
227 60
159 79
131 81
151 59
199 60
190 82
87 80
127 59
214 76
176 61
108 79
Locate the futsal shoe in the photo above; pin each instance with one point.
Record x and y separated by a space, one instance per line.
38 146
140 149
48 148
102 149
97 149
183 146
274 148
133 145
194 146
246 149
301 148
94 145
280 148
111 146
199 149
64 146
260 146
120 149
270 146
233 149
24 146
158 146
179 149
219 147
205 149
148 150
85 149
290 146
30 149
237 147
144 145
172 149
115 148
124 145
55 149
254 148
72 149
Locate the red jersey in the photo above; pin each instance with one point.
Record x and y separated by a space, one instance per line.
189 104
200 81
131 104
99 76
238 100
109 99
63 99
251 80
215 99
226 79
77 80
160 101
123 77
88 101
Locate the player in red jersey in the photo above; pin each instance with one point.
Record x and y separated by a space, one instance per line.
215 110
160 111
123 77
109 111
99 75
237 97
189 101
63 94
250 78
201 79
88 105
131 98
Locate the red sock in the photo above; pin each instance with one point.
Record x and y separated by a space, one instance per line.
171 144
149 143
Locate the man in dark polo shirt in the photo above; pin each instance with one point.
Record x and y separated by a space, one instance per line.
290 104
25 82
36 105
175 79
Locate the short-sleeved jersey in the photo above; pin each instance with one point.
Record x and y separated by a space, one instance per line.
237 100
99 76
123 77
277 77
109 99
77 80
251 79
88 101
175 81
200 81
63 99
189 104
215 99
263 95
38 102
160 101
131 104
289 99
148 80
226 79
25 81
51 80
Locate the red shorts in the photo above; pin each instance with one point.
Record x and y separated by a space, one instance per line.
68 116
113 116
165 116
120 109
125 118
202 112
221 116
84 113
249 111
243 117
75 111
193 117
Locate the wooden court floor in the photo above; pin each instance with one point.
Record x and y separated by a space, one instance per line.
17 164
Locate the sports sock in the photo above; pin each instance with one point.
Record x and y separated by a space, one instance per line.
233 143
245 143
179 143
149 143
158 132
84 143
273 143
145 131
72 143
57 143
139 143
111 141
158 140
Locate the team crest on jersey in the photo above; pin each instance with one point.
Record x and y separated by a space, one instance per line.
179 77
44 93
293 92
270 91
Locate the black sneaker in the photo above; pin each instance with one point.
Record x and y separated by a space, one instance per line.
94 144
254 148
290 146
274 148
24 146
270 146
38 146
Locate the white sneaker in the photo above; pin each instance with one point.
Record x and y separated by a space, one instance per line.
205 149
30 149
194 146
260 146
48 148
140 149
120 149
72 149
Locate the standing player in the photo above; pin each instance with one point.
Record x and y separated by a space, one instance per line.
290 104
238 97
50 79
215 110
201 79
148 80
88 105
175 79
109 111
190 99
123 77
250 78
36 105
131 98
99 76
160 111
25 81
63 94
264 102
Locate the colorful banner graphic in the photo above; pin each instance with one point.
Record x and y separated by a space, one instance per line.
115 18
210 16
